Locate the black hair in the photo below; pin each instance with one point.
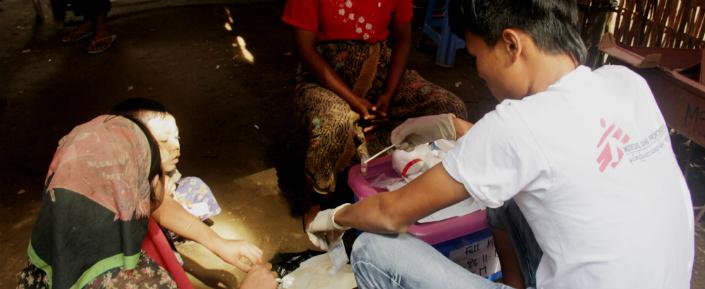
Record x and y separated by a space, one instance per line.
552 24
131 109
136 105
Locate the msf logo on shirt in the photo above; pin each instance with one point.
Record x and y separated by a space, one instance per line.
610 146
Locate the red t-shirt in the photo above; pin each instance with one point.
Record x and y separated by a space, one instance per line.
364 20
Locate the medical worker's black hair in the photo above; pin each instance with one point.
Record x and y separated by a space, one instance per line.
552 24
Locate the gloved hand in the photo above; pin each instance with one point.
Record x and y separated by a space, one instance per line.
323 230
425 129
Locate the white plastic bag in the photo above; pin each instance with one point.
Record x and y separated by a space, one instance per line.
314 273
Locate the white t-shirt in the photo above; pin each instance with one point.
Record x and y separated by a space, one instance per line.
590 164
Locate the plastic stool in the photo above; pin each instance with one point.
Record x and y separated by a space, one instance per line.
448 43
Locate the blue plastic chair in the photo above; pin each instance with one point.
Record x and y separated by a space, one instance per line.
437 28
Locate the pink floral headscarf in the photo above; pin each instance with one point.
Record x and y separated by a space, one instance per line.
106 160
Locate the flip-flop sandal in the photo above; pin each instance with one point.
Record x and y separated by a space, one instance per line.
74 36
100 45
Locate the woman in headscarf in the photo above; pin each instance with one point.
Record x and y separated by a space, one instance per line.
103 183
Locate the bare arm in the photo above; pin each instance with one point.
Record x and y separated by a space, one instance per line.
172 216
175 218
315 64
400 55
395 211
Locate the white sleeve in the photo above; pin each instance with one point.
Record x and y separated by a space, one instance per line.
497 159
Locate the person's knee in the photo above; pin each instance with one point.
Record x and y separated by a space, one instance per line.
314 95
361 246
372 255
365 246
371 248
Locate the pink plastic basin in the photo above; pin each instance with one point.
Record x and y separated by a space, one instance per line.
432 233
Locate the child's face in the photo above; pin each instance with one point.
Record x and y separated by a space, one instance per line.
166 132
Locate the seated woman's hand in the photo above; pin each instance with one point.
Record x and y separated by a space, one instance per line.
364 108
239 253
381 108
368 119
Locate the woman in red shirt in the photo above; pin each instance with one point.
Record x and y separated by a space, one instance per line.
353 79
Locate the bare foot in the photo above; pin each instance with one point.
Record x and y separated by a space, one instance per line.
84 30
101 44
103 39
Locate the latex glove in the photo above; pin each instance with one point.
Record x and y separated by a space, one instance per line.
425 129
323 230
239 253
260 277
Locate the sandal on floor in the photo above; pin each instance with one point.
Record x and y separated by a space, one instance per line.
74 36
100 45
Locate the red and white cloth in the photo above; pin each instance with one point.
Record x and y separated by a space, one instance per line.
363 20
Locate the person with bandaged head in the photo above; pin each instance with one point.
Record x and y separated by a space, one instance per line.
575 165
104 183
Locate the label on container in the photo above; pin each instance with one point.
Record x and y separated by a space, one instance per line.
479 257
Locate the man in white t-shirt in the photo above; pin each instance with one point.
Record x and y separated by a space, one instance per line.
585 155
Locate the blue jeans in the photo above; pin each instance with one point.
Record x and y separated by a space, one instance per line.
403 261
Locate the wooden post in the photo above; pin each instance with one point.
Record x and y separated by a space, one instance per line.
702 68
597 16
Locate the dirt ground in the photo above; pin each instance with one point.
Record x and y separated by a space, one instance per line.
235 117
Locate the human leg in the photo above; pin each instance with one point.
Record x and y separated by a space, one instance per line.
516 246
403 261
511 271
82 31
417 96
95 16
330 125
147 274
